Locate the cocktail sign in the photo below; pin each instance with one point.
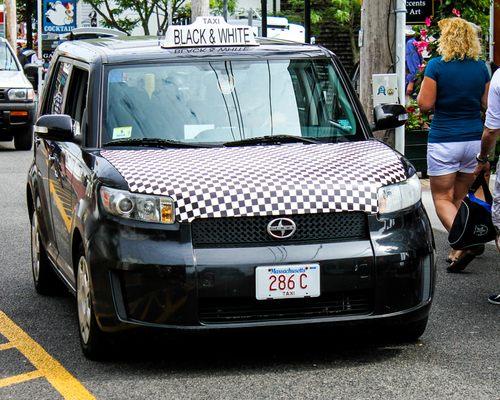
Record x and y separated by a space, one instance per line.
207 32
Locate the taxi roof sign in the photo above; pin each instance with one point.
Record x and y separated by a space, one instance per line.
209 32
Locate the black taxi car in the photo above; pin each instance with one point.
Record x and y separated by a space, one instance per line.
193 186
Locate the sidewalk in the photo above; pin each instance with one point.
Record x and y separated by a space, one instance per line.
429 205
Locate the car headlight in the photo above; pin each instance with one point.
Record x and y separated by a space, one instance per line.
399 196
21 94
138 207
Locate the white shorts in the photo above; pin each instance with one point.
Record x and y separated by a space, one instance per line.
449 158
496 200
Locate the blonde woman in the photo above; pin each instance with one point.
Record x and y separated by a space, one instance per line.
455 86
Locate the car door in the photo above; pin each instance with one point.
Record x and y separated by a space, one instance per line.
59 182
44 159
76 171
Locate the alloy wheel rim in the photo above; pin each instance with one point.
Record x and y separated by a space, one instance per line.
83 299
35 248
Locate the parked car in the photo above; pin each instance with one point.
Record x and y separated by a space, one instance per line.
17 100
202 186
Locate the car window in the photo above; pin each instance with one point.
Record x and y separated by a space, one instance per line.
59 88
77 94
76 103
7 59
220 101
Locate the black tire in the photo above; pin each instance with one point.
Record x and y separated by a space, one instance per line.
45 280
94 342
23 139
409 332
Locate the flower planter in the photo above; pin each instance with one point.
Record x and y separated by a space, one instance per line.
416 149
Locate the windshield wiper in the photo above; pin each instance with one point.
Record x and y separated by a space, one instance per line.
275 139
150 142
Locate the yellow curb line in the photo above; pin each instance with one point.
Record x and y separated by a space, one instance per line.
65 383
11 380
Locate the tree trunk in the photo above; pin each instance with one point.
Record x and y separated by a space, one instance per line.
11 25
375 56
29 23
199 8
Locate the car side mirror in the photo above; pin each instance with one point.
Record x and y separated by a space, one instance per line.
31 72
58 127
389 116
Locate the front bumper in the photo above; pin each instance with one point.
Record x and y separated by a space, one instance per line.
16 116
155 278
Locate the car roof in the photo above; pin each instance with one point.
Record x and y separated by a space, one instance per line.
146 48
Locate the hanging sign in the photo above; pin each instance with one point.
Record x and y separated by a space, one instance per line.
207 32
418 10
59 16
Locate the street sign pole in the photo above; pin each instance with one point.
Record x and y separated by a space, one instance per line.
401 66
39 52
492 33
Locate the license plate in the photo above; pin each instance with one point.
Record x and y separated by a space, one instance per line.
287 281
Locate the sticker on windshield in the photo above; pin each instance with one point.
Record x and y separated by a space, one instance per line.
122 132
345 123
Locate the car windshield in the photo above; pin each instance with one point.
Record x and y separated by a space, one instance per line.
7 60
217 102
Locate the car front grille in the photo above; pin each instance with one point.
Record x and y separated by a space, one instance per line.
234 310
252 231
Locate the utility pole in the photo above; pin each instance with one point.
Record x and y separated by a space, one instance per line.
263 15
400 12
11 22
375 55
307 20
199 8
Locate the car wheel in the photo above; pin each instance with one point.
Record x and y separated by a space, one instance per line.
44 277
23 140
92 339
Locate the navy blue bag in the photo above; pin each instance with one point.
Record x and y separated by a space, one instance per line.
473 225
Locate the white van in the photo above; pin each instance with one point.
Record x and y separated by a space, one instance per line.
17 105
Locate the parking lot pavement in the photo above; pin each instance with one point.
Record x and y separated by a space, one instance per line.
456 358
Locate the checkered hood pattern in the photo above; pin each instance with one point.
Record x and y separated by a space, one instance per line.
262 180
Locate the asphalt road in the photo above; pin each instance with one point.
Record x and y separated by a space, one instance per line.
457 358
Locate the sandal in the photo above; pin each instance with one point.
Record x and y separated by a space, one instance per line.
461 262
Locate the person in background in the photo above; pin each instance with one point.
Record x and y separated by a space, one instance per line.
490 136
455 86
413 61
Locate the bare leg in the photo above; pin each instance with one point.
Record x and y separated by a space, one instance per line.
462 184
443 189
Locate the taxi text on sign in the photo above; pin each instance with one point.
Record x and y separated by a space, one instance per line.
209 31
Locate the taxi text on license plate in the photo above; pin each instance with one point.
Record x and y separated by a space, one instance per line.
287 281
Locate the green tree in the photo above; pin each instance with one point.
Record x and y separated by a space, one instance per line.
345 13
217 6
476 11
113 13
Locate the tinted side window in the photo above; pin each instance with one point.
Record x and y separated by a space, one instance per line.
76 99
59 88
77 94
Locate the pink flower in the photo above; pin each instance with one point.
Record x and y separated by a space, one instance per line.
421 46
428 21
423 33
456 12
